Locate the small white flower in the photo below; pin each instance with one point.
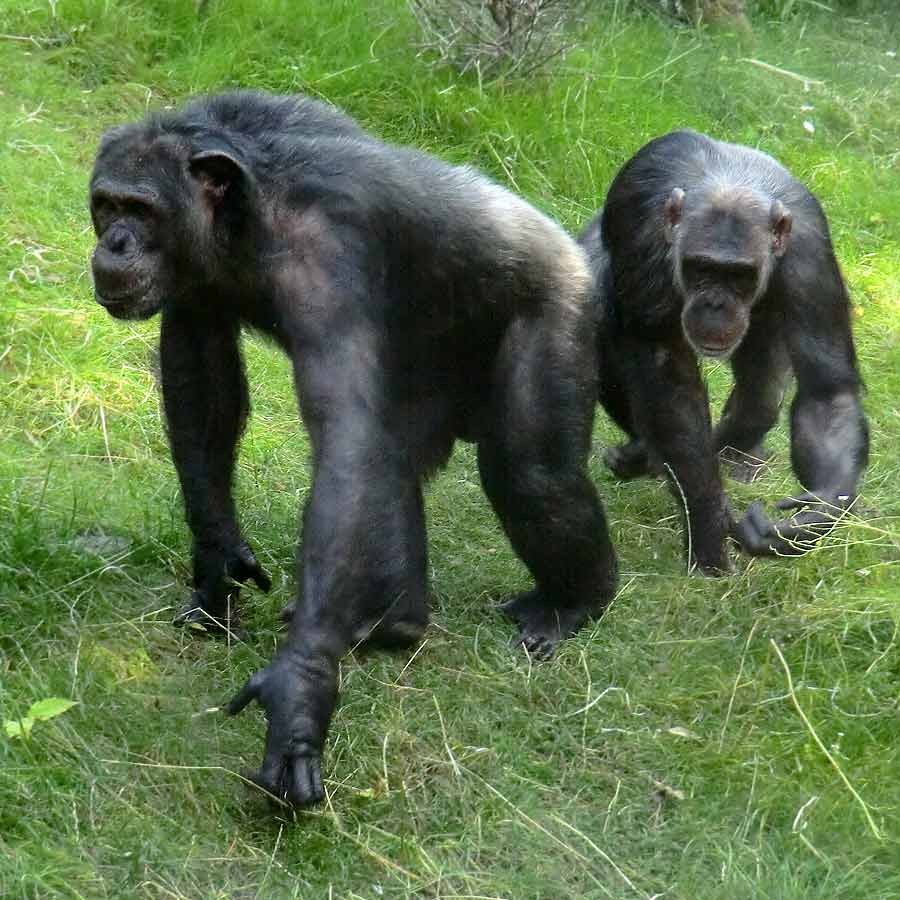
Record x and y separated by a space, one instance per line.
808 127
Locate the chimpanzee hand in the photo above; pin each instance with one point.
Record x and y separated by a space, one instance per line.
214 603
241 565
298 695
760 536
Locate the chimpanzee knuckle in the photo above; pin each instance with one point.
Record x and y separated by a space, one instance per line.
263 580
304 748
246 556
304 782
760 522
317 789
753 533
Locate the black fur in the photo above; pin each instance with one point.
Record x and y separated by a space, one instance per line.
711 248
418 303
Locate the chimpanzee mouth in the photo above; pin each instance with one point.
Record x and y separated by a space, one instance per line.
128 304
133 294
716 351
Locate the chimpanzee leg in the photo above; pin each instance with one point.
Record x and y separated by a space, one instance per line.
532 466
628 460
761 368
672 414
364 577
206 404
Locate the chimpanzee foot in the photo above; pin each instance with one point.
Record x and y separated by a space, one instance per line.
391 632
220 620
745 467
541 624
627 460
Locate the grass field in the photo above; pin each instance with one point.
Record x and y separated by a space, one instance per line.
732 738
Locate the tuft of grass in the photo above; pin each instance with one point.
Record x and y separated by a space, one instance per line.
665 751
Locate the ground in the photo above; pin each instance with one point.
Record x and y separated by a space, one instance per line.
731 738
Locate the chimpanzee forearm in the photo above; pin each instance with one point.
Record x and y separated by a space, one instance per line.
672 415
829 444
206 402
829 432
364 565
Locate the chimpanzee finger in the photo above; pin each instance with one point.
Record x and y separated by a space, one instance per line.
246 567
274 774
803 499
250 691
305 782
262 579
754 532
788 540
270 781
807 527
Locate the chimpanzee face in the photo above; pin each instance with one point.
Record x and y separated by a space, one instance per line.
153 206
127 263
723 249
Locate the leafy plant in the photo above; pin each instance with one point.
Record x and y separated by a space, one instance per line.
40 711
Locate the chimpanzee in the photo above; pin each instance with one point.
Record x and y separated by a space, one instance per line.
711 249
418 302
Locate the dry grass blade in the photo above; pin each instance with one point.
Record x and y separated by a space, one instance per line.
876 832
493 37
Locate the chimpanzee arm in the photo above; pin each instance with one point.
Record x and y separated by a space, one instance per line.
363 554
761 367
206 403
672 415
829 432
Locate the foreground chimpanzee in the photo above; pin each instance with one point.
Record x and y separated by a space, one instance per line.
418 302
712 249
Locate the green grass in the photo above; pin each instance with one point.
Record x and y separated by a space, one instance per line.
661 753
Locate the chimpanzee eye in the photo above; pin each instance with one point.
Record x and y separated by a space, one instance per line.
744 280
101 206
138 209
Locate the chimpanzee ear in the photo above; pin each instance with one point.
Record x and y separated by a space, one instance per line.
217 171
781 220
673 211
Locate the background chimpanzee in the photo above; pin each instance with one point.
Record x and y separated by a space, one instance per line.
418 302
712 249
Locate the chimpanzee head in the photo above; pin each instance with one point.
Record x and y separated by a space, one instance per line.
724 243
157 201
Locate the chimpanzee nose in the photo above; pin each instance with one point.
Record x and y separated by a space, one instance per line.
118 240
